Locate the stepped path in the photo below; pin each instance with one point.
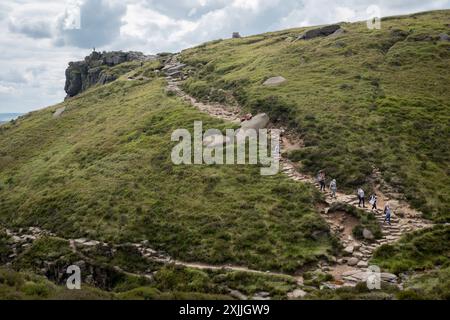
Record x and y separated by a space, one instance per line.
349 269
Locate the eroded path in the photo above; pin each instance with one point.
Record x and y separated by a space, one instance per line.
347 270
352 268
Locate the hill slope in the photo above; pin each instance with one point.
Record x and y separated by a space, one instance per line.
358 99
102 170
100 166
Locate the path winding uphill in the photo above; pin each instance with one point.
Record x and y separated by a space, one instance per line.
347 270
351 268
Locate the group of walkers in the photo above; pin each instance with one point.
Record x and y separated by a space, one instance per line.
373 199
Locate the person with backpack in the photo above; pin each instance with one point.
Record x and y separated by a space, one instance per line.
387 212
333 188
373 201
361 198
321 179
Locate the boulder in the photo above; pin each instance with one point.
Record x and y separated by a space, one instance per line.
236 35
368 235
259 121
352 262
444 37
296 294
238 295
274 81
338 32
362 264
319 32
59 112
389 277
349 249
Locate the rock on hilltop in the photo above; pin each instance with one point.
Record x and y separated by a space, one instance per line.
95 69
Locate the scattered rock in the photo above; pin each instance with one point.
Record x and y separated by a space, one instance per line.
274 81
389 277
238 295
59 112
368 235
263 294
296 294
444 37
319 32
338 32
363 264
259 121
349 249
352 262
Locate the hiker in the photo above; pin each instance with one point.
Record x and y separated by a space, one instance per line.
373 201
361 198
321 179
387 212
333 188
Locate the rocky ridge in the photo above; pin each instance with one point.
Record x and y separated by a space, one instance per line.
94 69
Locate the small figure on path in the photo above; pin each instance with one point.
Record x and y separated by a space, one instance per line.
321 179
387 212
333 188
361 198
373 201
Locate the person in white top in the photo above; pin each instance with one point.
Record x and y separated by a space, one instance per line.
361 198
333 188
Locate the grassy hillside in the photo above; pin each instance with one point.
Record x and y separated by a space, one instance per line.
362 98
103 171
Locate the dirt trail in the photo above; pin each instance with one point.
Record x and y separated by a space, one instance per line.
344 271
404 219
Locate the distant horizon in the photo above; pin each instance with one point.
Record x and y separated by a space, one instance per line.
7 116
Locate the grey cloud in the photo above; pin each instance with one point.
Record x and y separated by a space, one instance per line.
185 9
12 76
32 29
100 25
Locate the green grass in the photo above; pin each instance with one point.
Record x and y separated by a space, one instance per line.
418 251
27 286
364 98
433 285
103 171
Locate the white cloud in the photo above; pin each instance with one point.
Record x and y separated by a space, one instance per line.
35 48
6 89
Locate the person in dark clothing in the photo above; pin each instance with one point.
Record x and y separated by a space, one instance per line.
321 179
387 212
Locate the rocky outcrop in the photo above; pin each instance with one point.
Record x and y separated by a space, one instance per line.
319 32
81 75
236 35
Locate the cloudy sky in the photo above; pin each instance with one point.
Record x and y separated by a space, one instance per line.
38 38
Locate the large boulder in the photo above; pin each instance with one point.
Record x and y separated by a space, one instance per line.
368 235
274 81
319 32
258 122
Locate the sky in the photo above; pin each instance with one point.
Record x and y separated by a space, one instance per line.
38 38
